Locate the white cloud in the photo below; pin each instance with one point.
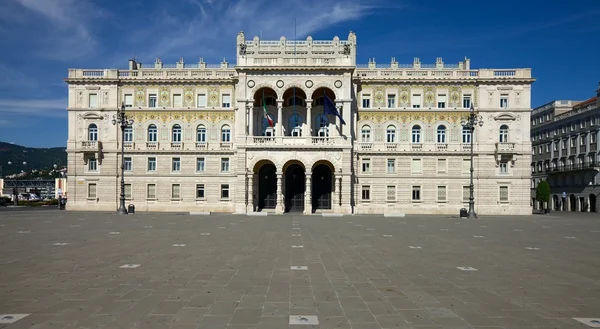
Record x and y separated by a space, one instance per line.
45 108
11 79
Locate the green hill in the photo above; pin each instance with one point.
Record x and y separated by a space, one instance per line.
36 158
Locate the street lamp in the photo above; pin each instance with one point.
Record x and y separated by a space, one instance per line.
123 122
470 122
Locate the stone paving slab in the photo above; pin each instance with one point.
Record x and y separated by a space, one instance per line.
64 269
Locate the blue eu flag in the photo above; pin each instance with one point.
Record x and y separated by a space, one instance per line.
329 108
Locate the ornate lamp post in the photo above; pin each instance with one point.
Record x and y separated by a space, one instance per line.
470 122
123 122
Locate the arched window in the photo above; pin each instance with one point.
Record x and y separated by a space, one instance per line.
269 101
225 134
92 132
322 125
128 134
416 134
176 134
319 101
503 134
466 135
390 134
441 134
298 101
201 134
366 134
152 133
295 125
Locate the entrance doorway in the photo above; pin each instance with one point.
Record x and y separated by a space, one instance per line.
572 203
322 184
295 186
592 203
556 202
267 187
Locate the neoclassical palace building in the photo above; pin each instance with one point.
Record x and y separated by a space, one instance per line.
299 126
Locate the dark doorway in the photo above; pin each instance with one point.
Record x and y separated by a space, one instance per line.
321 187
556 202
267 187
592 203
295 185
572 203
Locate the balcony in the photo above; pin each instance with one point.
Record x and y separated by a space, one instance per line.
152 145
129 145
505 148
90 146
365 146
577 167
465 147
441 147
226 145
178 146
416 147
201 145
391 146
264 140
322 140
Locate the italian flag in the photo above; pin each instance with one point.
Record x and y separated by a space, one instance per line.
267 115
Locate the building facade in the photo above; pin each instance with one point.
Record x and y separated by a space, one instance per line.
564 138
202 138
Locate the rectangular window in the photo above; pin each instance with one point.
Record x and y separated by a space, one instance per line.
177 100
504 102
503 194
128 100
366 165
226 100
92 164
152 100
441 193
593 138
583 139
547 148
391 101
366 101
466 166
201 100
416 193
152 164
93 101
175 191
366 192
151 191
92 190
224 191
466 193
391 193
199 164
176 164
416 101
441 101
555 146
128 191
441 165
225 165
415 166
467 101
391 166
199 191
128 164
503 167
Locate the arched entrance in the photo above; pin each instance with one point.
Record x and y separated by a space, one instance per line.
322 186
572 203
267 187
582 205
295 186
556 202
592 203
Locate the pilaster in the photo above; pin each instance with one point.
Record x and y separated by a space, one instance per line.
279 208
308 195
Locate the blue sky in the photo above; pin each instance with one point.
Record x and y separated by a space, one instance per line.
41 39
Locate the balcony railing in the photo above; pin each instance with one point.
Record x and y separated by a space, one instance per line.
465 147
391 146
365 146
443 147
505 148
578 166
416 147
201 145
129 145
264 140
176 145
226 145
321 140
90 146
152 145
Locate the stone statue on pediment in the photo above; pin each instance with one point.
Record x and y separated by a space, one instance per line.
242 49
346 49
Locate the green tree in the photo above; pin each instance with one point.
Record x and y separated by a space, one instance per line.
542 193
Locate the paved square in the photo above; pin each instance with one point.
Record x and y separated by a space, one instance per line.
532 272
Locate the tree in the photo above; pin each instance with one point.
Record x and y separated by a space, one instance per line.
542 193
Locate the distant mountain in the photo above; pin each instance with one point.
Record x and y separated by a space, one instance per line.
36 158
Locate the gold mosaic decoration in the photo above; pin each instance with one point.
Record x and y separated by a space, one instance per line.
407 117
187 117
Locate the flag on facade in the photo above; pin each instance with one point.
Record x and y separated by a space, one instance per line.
330 108
267 114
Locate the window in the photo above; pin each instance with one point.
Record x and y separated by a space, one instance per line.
176 134
295 125
467 101
503 134
200 164
416 193
176 164
366 192
441 165
504 102
201 101
225 165
416 101
391 101
199 191
224 191
415 166
573 141
92 164
466 193
503 194
366 101
366 165
226 100
128 191
323 125
583 139
151 191
593 138
177 100
391 166
503 167
92 190
128 134
391 193
466 136
92 132
128 100
128 164
225 134
152 133
564 144
416 134
548 148
93 101
366 134
555 146
201 134
151 164
295 101
441 134
175 191
441 101
390 135
152 100
441 193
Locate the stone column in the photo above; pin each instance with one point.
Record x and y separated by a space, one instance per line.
250 207
251 120
338 122
279 118
279 208
308 131
308 195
